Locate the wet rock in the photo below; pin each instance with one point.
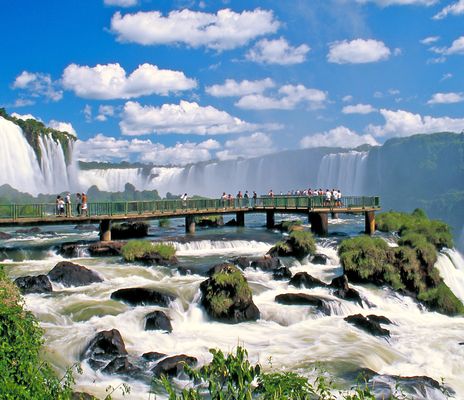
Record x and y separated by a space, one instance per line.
266 263
5 236
154 258
70 249
29 231
210 222
298 244
174 365
232 222
242 262
153 356
142 297
320 259
343 290
121 366
70 274
303 279
226 296
184 271
105 249
129 230
157 320
299 299
103 348
370 325
379 318
282 273
34 284
87 228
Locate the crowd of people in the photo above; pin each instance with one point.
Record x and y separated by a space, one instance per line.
64 205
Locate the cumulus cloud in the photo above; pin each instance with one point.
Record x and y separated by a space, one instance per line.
446 98
457 47
37 84
24 117
348 98
340 136
106 148
63 127
277 51
255 145
231 88
182 118
221 31
405 123
358 51
386 3
430 39
110 81
358 109
121 3
105 111
289 96
451 9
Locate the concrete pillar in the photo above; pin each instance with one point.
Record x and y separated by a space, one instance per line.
319 223
334 215
270 220
105 230
240 217
369 218
190 224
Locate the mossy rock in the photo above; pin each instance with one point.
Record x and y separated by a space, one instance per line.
210 221
149 253
442 299
299 244
129 230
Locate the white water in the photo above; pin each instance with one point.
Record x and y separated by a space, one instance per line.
344 171
114 179
451 267
209 247
20 168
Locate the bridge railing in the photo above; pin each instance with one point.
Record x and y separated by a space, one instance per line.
46 210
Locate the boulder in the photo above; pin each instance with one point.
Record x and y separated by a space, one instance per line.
88 228
319 259
242 262
172 366
121 366
157 320
379 318
369 324
103 348
105 249
303 279
154 258
142 297
300 299
129 230
5 236
29 231
232 222
70 249
266 263
34 284
210 222
70 274
153 356
298 244
282 273
343 291
226 296
184 271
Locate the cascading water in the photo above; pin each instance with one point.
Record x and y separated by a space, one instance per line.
344 171
114 179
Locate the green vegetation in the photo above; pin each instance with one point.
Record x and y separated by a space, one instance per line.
298 244
164 223
135 249
289 226
410 266
233 377
23 374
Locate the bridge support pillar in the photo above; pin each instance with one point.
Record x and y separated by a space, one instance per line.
334 215
105 230
319 223
270 219
369 218
240 217
190 224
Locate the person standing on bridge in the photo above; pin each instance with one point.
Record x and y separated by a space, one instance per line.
84 204
67 202
78 203
246 197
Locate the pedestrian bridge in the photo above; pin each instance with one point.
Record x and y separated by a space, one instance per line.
316 208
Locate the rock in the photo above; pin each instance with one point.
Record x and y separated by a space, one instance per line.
155 258
82 396
343 291
5 236
299 299
242 262
461 343
210 222
88 228
153 356
142 297
172 366
29 231
303 279
105 249
266 263
379 318
282 273
226 296
232 222
298 244
129 230
103 348
157 320
367 324
34 284
121 366
184 271
70 274
319 259
70 249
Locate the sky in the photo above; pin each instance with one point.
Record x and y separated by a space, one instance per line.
183 81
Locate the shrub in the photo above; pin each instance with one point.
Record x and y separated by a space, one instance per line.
302 243
442 299
289 226
164 223
135 249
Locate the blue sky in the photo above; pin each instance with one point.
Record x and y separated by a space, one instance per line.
174 82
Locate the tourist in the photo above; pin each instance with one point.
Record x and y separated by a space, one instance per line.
255 198
59 206
339 198
271 193
224 199
84 204
67 202
184 200
328 197
78 203
239 198
246 196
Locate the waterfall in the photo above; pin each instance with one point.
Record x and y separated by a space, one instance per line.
451 267
114 179
344 171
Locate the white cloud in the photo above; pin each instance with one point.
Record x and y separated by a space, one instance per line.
184 118
337 137
37 85
430 39
453 9
62 126
358 51
109 81
87 111
405 123
277 51
255 145
24 117
232 88
446 98
446 76
358 109
289 97
348 98
224 30
386 3
105 148
121 3
105 111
